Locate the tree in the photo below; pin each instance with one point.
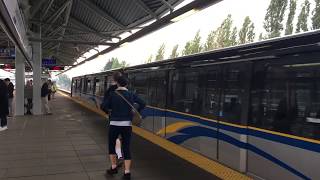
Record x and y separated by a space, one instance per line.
187 49
233 38
64 82
149 60
261 37
316 16
174 52
211 41
160 53
302 24
274 17
193 46
114 63
246 33
225 37
292 11
251 33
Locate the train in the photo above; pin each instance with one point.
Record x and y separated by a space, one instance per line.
254 108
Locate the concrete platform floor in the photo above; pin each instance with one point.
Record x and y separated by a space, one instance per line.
71 145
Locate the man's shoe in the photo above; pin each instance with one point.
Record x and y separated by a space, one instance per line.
126 176
112 171
3 128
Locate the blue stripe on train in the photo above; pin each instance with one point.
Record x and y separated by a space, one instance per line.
268 136
197 131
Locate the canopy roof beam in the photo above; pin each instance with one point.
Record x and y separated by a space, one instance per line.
57 14
71 42
37 7
168 5
80 24
97 10
146 8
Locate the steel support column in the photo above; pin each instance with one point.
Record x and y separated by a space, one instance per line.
20 81
37 63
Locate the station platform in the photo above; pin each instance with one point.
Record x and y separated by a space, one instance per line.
71 145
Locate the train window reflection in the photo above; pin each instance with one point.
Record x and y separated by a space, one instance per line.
287 99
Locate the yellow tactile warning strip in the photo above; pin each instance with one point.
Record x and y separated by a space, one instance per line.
202 162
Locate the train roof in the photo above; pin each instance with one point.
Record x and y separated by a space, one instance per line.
267 49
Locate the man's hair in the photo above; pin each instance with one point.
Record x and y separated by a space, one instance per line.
122 81
116 75
7 79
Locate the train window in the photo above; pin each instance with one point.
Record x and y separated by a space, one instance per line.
211 107
97 87
235 80
139 84
157 89
89 87
286 98
84 86
185 91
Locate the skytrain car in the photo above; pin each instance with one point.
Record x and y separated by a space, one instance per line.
254 108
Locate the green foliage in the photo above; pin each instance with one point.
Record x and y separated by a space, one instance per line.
174 52
292 12
246 33
302 24
274 17
193 46
261 37
211 41
114 63
233 38
64 82
160 53
187 49
149 60
226 37
316 16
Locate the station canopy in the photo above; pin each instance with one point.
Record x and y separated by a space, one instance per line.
70 28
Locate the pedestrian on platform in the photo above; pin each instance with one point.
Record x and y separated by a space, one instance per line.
10 94
44 98
120 104
28 94
112 88
53 89
49 89
4 105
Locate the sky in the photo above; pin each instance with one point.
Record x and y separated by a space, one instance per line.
137 52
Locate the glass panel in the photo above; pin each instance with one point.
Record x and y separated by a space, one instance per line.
157 89
139 84
97 88
211 106
185 91
286 98
234 83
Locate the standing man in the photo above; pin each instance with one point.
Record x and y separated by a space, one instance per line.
10 94
44 98
4 105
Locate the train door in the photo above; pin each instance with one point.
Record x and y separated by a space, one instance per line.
158 95
233 113
212 108
139 83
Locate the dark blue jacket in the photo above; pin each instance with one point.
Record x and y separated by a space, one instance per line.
4 105
111 89
119 109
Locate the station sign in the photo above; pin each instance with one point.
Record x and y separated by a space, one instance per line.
7 53
49 62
